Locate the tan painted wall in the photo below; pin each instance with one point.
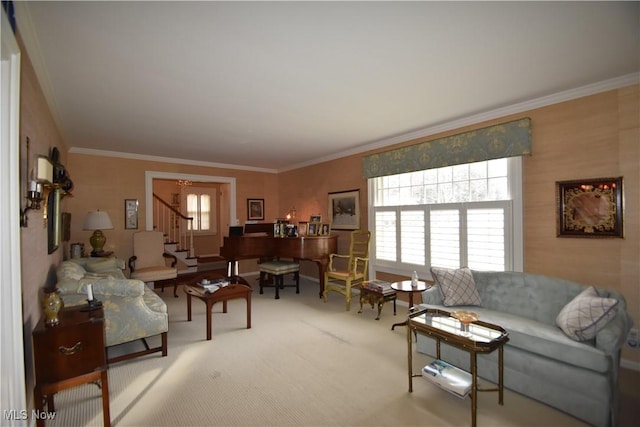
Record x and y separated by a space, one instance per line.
595 136
104 182
38 267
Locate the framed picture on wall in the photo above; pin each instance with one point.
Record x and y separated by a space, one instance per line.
344 210
255 209
53 220
590 208
131 214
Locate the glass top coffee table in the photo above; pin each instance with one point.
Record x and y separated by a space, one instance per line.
475 337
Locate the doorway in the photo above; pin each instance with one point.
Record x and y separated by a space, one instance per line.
208 243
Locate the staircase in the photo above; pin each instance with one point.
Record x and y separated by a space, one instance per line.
178 234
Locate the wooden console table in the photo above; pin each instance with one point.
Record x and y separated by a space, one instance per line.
70 354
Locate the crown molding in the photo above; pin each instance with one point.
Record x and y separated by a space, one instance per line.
123 155
567 95
28 35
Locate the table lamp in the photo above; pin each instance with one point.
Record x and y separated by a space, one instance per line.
97 221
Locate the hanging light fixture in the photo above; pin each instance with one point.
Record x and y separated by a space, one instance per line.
184 182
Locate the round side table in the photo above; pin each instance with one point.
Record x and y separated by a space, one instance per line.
405 286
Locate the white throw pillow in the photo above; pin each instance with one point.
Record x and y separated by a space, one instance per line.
456 286
586 315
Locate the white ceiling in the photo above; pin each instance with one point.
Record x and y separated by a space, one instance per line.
277 84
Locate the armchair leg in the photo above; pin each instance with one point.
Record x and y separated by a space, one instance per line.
164 343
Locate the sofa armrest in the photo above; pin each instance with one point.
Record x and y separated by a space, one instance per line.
612 337
432 296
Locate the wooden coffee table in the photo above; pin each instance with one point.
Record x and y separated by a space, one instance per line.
224 294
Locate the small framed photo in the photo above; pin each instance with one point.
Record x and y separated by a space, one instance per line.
590 208
278 229
290 230
302 228
255 209
324 229
312 229
315 218
131 214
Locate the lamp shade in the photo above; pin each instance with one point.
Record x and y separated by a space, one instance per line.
98 220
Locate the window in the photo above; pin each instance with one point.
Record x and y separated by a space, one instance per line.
200 203
454 216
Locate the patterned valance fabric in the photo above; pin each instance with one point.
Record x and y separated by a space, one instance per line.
509 139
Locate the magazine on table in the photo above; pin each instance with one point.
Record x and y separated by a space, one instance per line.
448 377
211 286
379 285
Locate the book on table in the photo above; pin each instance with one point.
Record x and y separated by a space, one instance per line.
379 285
210 286
448 377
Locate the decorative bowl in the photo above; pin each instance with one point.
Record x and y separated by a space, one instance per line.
464 316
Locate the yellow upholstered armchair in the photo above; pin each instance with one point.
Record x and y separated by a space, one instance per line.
149 260
344 271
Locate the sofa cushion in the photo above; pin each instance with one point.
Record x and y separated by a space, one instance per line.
151 274
457 286
103 265
70 270
586 314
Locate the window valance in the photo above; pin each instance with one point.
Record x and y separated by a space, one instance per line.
509 139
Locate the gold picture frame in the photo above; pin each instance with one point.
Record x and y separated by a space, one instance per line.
324 229
312 228
303 226
590 208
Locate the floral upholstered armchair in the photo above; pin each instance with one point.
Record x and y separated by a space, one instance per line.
132 311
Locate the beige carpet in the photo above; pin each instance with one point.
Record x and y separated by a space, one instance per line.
303 363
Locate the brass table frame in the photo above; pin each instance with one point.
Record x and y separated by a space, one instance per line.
464 343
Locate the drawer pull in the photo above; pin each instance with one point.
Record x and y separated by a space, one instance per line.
69 351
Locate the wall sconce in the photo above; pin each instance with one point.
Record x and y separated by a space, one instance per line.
37 188
291 214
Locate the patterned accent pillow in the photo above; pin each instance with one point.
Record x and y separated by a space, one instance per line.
586 315
456 286
70 270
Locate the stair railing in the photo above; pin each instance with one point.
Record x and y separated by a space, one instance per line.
171 222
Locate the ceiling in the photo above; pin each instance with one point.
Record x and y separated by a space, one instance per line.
276 85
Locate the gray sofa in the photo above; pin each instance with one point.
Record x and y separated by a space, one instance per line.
541 361
132 311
